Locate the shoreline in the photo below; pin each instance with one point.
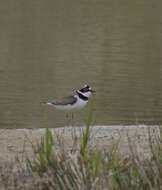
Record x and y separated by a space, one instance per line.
18 142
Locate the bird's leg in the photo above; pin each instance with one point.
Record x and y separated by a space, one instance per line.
72 118
67 120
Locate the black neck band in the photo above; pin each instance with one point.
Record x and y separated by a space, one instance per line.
81 96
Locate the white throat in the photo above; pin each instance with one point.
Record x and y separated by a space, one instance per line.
86 94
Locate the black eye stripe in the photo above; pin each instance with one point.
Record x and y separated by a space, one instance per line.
85 89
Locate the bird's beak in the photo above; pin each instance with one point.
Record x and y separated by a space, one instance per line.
93 91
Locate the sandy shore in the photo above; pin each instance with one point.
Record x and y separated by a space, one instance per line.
19 142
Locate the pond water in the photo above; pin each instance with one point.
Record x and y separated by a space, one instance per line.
50 48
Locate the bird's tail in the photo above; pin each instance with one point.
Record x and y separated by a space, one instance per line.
47 103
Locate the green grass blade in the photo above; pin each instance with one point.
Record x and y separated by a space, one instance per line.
85 136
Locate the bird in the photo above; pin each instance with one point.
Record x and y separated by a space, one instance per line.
76 101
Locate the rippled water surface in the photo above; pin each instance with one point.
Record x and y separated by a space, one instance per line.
49 48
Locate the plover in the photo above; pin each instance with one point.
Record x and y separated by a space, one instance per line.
72 102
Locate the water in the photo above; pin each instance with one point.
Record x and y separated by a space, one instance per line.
49 48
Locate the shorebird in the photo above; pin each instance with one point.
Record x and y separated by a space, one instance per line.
73 102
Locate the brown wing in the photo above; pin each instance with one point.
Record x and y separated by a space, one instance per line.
65 100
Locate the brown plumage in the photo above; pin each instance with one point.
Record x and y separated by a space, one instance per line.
65 100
